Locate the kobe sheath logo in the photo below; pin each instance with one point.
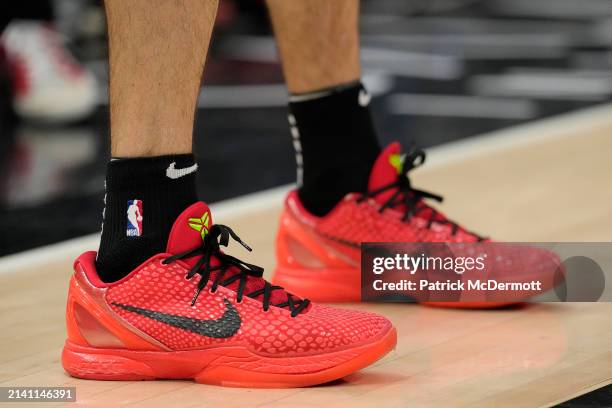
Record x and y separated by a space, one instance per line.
221 328
174 173
397 162
200 224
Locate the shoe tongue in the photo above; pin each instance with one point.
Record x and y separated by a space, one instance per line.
387 168
385 171
189 230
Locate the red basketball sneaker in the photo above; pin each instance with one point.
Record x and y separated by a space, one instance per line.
320 257
198 313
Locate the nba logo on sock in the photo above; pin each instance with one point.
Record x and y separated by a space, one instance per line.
134 218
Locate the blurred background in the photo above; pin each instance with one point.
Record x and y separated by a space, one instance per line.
439 71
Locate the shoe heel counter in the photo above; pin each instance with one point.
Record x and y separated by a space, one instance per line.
72 330
87 323
283 254
90 321
308 269
298 246
292 249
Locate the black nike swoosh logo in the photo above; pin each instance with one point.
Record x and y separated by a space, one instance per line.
352 244
221 328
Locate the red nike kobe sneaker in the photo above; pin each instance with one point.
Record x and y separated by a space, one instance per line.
195 312
320 257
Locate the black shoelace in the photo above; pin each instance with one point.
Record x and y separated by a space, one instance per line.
411 197
219 235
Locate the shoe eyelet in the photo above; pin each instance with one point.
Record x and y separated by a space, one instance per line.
212 292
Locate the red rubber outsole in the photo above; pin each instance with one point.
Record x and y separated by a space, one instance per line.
226 366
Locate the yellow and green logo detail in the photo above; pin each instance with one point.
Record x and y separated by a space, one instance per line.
395 160
200 224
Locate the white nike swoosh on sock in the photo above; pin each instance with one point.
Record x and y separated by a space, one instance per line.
364 98
174 173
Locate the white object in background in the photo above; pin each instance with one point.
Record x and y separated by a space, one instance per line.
50 85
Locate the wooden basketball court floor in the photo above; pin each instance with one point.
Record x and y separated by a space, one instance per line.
548 181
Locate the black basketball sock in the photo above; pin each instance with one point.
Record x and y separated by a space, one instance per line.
143 198
335 144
